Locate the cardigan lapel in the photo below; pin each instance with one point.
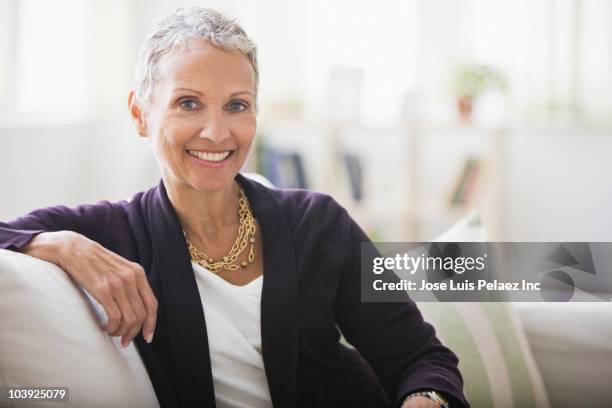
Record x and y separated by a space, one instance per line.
186 323
185 316
279 330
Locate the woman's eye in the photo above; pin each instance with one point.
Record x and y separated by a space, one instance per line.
237 106
188 104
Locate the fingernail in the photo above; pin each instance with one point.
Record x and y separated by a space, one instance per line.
126 344
149 338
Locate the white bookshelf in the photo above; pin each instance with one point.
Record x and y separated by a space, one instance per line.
409 172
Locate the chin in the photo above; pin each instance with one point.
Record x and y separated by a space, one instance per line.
212 186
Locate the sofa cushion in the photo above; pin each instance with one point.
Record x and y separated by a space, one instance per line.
571 344
51 336
494 357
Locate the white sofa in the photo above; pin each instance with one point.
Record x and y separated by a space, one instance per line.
557 355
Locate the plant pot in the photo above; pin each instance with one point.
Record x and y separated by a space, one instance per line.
465 106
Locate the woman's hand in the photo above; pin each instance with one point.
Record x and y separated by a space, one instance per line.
120 286
419 401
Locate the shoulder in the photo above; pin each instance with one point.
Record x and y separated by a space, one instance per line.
302 207
305 202
100 212
309 215
299 207
107 216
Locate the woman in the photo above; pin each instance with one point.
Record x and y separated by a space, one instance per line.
275 272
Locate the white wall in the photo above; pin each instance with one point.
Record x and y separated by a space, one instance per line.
71 164
559 186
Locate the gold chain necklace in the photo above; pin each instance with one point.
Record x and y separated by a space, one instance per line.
246 236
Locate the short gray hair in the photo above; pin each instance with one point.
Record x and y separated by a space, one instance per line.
174 30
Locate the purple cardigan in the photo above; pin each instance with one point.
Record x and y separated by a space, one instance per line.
311 288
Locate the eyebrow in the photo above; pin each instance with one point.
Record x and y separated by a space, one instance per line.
200 93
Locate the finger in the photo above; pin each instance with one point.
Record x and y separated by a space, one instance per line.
113 313
128 316
150 303
137 304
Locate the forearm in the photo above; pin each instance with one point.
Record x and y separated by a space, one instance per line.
437 372
18 233
393 337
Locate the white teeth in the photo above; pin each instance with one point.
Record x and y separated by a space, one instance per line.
214 157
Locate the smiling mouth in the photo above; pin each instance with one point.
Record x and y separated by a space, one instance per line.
211 156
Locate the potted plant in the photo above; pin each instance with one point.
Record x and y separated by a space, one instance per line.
470 81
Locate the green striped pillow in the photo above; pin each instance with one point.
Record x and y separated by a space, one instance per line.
494 357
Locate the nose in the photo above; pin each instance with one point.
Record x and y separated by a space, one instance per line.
215 128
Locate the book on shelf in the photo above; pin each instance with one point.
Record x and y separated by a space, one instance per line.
283 169
355 174
465 187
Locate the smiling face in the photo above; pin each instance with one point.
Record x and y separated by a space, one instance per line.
202 118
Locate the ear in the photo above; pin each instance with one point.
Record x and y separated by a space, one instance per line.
137 115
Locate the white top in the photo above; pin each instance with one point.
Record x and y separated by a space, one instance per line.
233 316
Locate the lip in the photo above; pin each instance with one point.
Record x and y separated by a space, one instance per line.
206 163
210 150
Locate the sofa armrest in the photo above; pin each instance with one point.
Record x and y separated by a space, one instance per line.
51 336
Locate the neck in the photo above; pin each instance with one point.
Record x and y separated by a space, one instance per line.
205 214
